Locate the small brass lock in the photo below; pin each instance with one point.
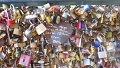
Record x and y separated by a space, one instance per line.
42 16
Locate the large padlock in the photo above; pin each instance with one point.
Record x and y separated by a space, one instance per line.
25 60
40 28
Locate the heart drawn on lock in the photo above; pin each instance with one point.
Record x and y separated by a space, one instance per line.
58 34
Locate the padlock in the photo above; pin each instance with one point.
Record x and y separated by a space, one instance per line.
52 61
96 43
58 19
2 55
19 13
67 60
79 11
4 6
33 45
40 28
46 6
18 51
48 18
52 8
2 26
108 34
72 14
25 60
77 58
27 32
17 31
61 55
101 21
65 14
42 16
79 25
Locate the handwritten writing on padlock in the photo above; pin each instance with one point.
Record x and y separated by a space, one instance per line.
59 33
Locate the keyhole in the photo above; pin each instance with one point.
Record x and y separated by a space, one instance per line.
23 60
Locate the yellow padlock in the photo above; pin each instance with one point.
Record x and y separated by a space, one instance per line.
77 58
42 16
72 58
19 14
48 19
67 60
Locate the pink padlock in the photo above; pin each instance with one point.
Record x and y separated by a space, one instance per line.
79 25
67 55
77 41
25 60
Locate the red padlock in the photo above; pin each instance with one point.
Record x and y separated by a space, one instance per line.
10 22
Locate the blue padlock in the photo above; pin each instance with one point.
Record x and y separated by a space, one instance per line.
96 44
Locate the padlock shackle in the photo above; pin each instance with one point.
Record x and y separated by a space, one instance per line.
12 6
6 12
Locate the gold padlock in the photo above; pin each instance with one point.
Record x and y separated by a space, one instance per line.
17 31
67 60
42 16
109 34
19 13
77 58
48 19
5 6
